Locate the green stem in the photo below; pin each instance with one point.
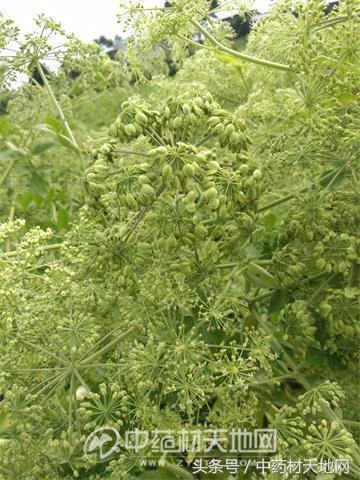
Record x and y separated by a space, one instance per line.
290 196
72 400
141 214
235 264
321 288
128 152
11 219
268 294
352 423
235 53
7 172
46 248
334 21
354 275
57 106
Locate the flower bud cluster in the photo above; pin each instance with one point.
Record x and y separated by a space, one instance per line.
336 252
230 130
297 326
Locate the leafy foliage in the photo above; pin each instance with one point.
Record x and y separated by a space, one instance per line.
193 262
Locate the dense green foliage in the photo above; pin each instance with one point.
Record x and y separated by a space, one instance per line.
185 253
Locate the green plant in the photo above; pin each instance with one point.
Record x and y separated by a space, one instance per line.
210 278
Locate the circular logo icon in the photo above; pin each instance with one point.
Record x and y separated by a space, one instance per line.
102 442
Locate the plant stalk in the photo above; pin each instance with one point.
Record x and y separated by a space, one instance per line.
7 172
57 106
46 248
235 53
331 175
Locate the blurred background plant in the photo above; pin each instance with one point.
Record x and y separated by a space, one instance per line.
180 229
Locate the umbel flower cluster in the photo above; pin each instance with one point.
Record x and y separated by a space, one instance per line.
210 279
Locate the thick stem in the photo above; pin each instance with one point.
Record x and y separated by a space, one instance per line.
235 53
57 106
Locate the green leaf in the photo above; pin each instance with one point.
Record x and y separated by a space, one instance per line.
42 147
66 142
259 277
316 357
4 126
23 201
258 234
229 59
63 219
278 300
347 98
336 180
38 184
269 221
54 124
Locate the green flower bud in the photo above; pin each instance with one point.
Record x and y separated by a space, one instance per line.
101 170
214 203
191 196
200 231
210 193
132 203
167 171
144 179
130 130
186 109
244 168
200 157
147 191
240 123
320 263
113 131
141 118
213 121
234 138
177 122
172 242
190 207
91 177
167 112
229 129
198 111
219 129
223 211
188 170
157 151
105 149
213 165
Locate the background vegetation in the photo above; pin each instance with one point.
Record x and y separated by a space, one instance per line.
180 237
